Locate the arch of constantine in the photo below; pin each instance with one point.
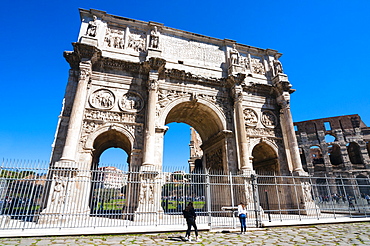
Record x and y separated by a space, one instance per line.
130 78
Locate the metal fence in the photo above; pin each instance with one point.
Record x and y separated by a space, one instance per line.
33 196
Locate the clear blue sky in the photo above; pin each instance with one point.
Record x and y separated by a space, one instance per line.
326 49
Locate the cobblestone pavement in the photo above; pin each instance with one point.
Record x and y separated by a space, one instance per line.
330 234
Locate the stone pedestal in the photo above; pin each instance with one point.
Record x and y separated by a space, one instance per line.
307 204
68 196
149 204
153 53
89 40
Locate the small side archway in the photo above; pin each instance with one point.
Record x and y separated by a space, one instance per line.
265 158
109 183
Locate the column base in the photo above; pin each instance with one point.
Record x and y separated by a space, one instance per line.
148 217
311 209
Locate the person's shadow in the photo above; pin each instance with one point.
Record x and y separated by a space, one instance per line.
176 238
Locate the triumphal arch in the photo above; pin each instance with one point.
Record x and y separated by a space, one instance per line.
130 78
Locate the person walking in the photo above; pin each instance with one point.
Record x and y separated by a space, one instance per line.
190 216
242 214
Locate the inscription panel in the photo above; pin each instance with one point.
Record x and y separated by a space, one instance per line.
201 53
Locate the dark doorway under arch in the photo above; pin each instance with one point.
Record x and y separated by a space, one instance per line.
265 159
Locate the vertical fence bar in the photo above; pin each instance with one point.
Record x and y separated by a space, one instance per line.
208 198
297 198
255 200
329 196
278 197
232 199
347 197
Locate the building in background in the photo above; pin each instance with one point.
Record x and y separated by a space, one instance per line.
336 147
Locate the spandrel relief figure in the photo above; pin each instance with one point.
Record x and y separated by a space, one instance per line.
250 117
234 56
131 102
154 38
91 28
102 99
269 119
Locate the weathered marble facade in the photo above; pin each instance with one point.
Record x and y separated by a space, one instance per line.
130 78
337 147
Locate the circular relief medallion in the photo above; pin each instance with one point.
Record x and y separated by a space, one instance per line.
269 119
250 117
102 98
131 102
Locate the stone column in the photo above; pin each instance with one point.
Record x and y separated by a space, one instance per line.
149 138
283 88
76 117
155 67
245 162
68 197
82 59
149 202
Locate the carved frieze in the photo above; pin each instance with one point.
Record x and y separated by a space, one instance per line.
250 117
306 191
108 116
167 96
269 119
136 40
263 132
131 102
257 66
214 159
146 195
115 38
90 126
102 99
181 75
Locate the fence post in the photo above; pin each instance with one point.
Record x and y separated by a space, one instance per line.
208 199
297 197
329 196
255 201
232 198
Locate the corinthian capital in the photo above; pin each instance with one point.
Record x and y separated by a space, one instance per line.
85 70
237 93
284 100
153 84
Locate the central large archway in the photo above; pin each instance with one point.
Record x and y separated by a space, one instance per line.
208 122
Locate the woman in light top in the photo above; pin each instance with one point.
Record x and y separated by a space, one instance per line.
242 214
